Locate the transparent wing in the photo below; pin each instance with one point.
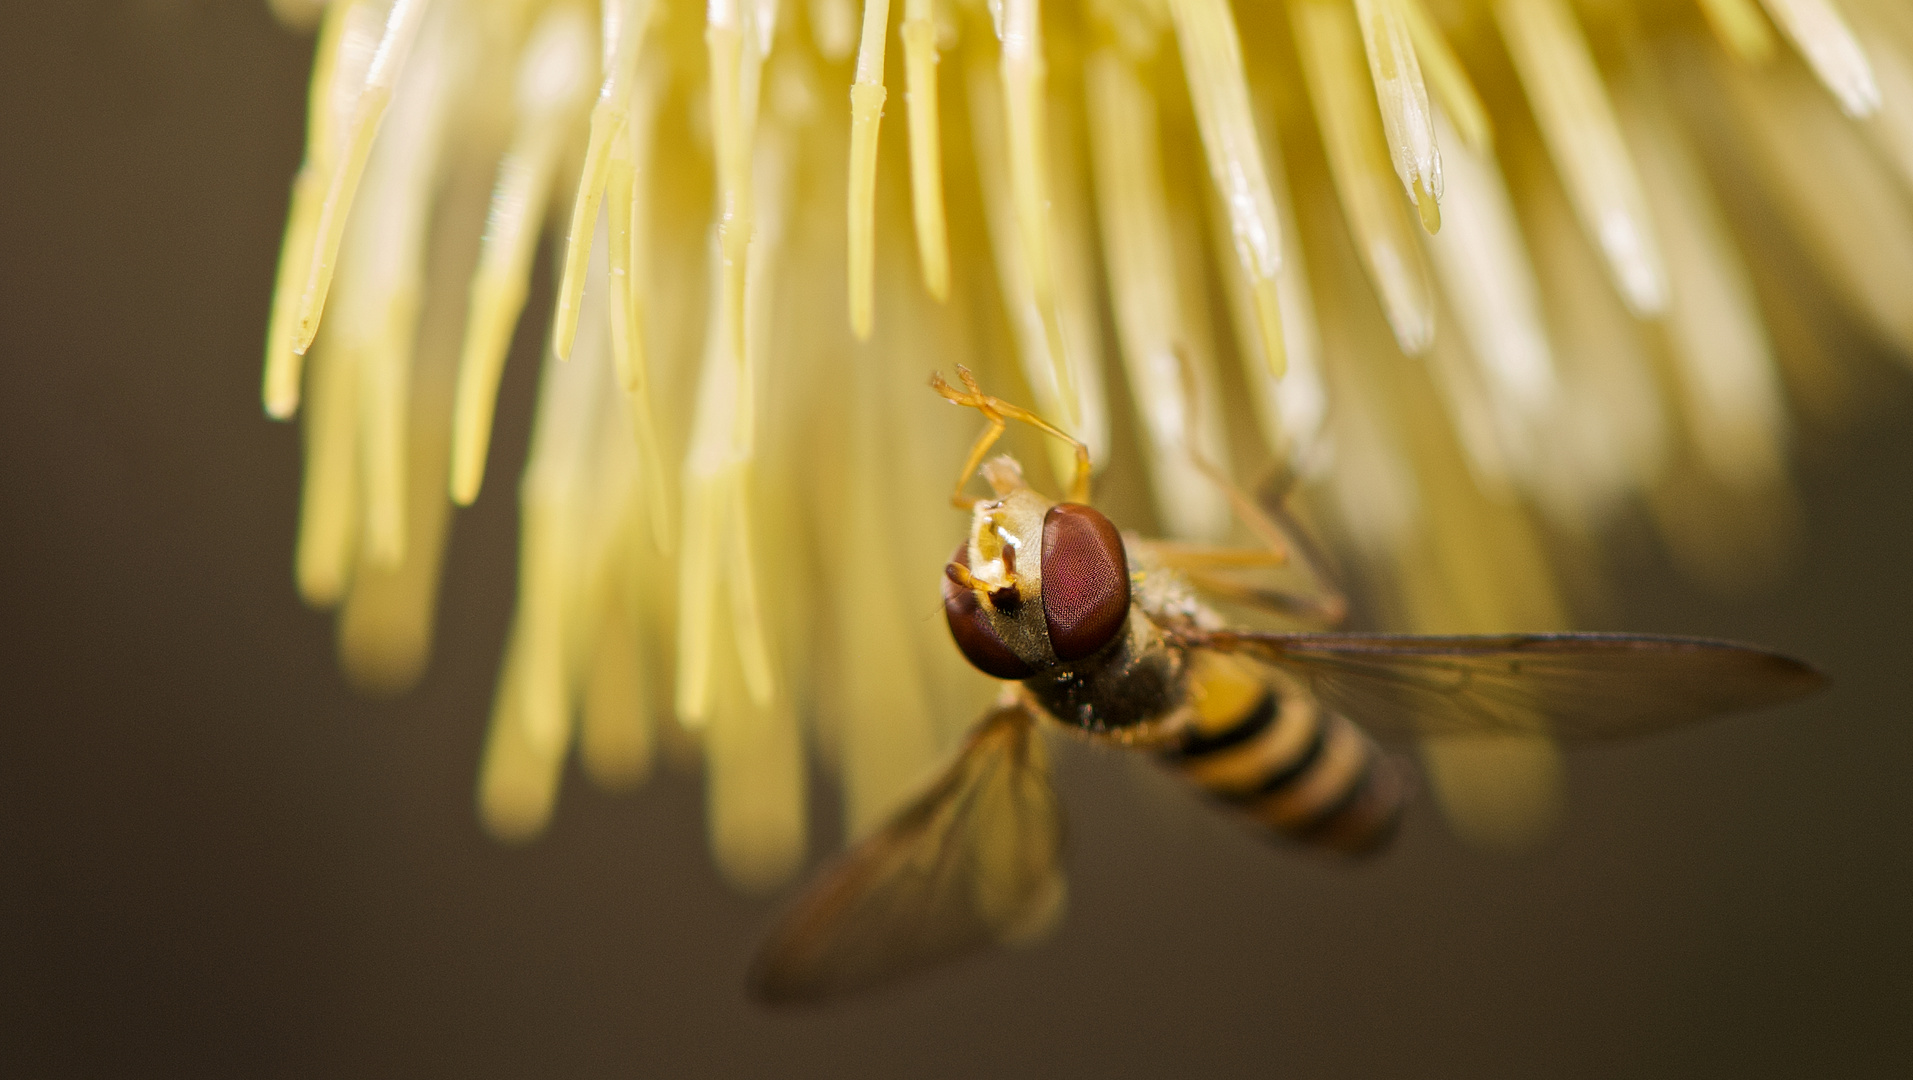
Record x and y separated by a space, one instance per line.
1574 686
971 863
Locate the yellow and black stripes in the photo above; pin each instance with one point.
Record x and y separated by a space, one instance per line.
1265 747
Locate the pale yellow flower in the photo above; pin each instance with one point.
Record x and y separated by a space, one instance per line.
1486 276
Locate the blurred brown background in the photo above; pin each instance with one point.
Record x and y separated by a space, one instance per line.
220 862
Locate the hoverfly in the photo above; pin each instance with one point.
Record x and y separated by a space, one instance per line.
1103 633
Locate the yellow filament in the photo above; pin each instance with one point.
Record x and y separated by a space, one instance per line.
926 160
1577 123
329 507
1489 280
550 91
1289 412
1448 78
734 74
341 188
375 310
753 650
1036 332
749 628
1212 65
1024 76
497 298
866 110
517 780
385 627
608 120
1860 231
1818 30
628 186
615 739
575 501
866 106
543 550
1078 313
280 384
1608 435
1427 207
1732 398
384 381
1887 29
283 362
716 546
887 742
725 44
1332 61
1407 121
1741 28
716 551
1268 320
624 25
833 27
697 604
1373 486
401 30
720 441
755 791
1495 440
1140 258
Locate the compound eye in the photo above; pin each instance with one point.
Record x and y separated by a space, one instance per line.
971 629
1085 580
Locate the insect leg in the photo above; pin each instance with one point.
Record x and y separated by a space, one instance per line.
981 447
1247 510
1286 542
999 412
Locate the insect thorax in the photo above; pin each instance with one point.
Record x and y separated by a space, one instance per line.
1132 689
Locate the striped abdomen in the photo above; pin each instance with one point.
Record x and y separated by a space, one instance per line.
1265 747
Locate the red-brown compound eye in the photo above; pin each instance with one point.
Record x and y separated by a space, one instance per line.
972 631
1085 580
